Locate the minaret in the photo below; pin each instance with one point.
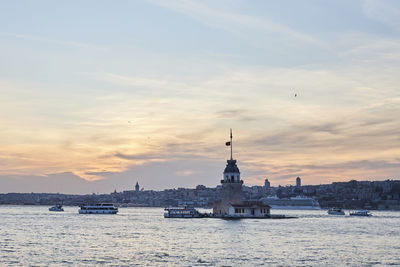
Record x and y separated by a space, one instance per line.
137 187
267 184
298 182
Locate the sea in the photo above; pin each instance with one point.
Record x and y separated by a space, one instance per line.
34 236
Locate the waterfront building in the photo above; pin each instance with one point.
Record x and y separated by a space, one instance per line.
232 203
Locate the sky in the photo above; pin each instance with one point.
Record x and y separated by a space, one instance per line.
97 95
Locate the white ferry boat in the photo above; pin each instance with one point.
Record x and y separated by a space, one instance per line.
56 208
103 208
360 213
181 212
336 211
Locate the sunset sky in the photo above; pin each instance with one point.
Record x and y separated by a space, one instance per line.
96 95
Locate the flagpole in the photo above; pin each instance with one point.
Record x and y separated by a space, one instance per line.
231 145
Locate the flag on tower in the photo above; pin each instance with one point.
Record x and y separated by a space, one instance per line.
228 143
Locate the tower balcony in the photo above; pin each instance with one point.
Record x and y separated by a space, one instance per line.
230 182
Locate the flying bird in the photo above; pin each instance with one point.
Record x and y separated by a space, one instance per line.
295 95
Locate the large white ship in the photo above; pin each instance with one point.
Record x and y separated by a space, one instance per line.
298 202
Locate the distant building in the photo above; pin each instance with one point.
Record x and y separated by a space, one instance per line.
137 187
200 187
267 187
232 203
298 182
267 184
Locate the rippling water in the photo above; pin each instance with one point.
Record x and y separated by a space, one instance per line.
31 235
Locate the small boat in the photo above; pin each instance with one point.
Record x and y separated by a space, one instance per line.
336 211
360 213
102 208
181 212
56 208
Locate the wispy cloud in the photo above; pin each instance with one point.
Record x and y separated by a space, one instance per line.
272 126
387 12
41 39
144 83
230 20
364 48
184 173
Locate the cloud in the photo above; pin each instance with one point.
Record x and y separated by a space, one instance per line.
369 51
136 157
180 172
387 12
229 113
347 133
67 183
333 121
101 173
232 21
185 173
41 39
144 83
362 164
183 94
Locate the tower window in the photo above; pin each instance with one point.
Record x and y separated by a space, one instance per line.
232 178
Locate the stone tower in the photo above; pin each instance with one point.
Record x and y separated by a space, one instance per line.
231 184
231 192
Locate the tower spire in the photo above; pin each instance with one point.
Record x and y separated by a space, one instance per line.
231 145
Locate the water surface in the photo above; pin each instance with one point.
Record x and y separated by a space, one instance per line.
31 235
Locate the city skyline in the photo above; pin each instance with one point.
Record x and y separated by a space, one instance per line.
98 95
